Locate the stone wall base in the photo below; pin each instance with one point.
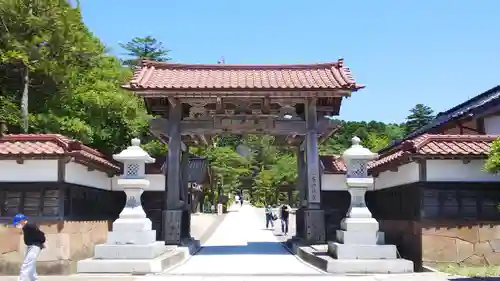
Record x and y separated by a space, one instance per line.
445 242
67 243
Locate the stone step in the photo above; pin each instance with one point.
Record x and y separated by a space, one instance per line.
370 266
109 251
346 251
132 237
137 266
359 224
142 224
360 237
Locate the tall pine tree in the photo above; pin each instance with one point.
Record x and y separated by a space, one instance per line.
419 116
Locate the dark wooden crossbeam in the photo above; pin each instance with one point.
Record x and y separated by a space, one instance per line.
220 125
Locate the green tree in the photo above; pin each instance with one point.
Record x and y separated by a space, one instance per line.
419 116
228 167
74 86
376 142
144 48
265 188
492 165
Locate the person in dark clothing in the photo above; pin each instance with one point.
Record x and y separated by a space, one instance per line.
34 239
284 215
269 217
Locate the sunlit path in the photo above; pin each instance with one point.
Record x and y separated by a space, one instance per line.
242 246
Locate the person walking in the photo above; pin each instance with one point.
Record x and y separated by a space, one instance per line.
34 239
269 217
284 215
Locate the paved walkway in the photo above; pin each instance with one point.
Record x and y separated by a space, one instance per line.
242 246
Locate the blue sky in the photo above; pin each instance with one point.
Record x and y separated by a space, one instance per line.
439 53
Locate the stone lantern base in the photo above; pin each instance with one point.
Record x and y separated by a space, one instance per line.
360 246
131 247
360 249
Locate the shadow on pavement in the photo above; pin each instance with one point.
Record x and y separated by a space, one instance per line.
252 248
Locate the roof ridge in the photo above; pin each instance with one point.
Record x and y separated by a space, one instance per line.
67 143
57 138
151 63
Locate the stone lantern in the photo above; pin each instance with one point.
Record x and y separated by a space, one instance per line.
133 181
356 159
360 245
131 246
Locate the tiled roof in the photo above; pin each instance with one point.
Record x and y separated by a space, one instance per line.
169 76
437 145
333 164
425 145
471 107
47 145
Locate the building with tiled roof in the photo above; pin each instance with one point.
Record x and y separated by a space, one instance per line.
431 195
71 191
164 76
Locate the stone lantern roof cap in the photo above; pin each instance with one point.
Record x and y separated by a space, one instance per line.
134 152
357 151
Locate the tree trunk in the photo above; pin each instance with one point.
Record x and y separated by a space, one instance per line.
24 100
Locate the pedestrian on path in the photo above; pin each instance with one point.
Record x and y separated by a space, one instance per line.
269 217
34 239
284 215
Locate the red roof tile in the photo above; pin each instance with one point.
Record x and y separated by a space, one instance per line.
43 145
333 164
425 145
437 145
169 76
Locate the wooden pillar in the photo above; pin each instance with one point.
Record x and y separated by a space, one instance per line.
277 195
186 210
301 177
172 213
289 193
314 223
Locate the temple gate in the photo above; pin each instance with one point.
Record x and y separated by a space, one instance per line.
197 102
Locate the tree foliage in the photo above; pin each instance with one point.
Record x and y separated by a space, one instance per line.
144 48
74 86
492 165
419 116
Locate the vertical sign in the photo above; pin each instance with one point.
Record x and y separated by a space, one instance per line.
313 188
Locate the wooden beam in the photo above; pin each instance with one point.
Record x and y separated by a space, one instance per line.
173 102
204 140
159 128
326 135
324 125
266 106
195 140
219 105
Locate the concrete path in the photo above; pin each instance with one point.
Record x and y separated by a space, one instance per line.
242 246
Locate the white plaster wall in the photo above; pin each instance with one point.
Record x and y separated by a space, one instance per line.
456 170
29 171
79 174
156 183
407 173
333 182
492 125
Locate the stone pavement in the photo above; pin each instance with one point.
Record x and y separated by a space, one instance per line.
277 224
242 246
241 249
